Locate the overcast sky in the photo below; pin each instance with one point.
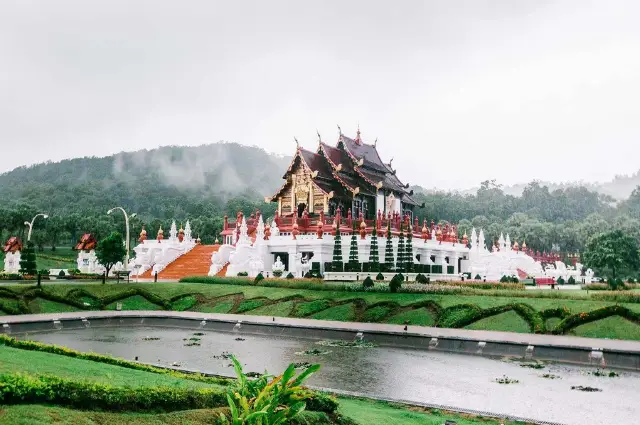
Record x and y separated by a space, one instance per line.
455 91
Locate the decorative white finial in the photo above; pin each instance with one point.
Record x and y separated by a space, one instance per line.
173 233
187 232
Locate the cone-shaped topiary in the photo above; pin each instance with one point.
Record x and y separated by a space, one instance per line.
28 260
409 254
389 263
400 259
374 260
354 262
337 264
367 283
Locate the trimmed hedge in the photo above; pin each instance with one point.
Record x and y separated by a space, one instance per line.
18 389
459 316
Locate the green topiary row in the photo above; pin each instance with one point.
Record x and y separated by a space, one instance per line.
462 315
19 388
576 320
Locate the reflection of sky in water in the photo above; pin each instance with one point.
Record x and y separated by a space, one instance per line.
443 378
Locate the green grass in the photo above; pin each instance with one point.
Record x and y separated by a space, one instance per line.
308 308
365 412
278 310
552 322
136 302
380 413
340 305
615 327
376 314
419 317
343 313
249 305
507 322
39 305
223 307
36 362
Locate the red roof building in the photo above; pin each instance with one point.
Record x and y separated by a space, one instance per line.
12 245
87 243
349 177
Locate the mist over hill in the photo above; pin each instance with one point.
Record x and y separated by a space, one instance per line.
203 183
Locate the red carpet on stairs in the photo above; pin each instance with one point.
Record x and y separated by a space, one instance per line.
194 263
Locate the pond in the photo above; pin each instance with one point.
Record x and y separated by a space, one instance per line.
422 376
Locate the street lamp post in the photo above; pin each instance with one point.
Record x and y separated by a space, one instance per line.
126 223
30 224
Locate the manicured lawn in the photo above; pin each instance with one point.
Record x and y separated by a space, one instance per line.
40 305
419 317
364 412
134 303
507 322
278 310
380 413
342 313
345 305
40 363
614 327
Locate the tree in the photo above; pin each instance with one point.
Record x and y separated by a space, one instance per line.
613 251
337 264
28 260
354 262
389 263
110 250
401 257
374 260
408 257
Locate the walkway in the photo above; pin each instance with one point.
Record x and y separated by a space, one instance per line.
557 341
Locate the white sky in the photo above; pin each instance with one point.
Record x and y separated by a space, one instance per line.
455 91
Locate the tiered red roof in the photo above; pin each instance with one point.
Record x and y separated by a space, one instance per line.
87 243
352 166
12 245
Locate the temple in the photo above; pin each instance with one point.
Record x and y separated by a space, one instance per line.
349 177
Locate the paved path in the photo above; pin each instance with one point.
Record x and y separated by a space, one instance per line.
558 341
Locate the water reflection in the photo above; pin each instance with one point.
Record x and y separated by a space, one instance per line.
423 376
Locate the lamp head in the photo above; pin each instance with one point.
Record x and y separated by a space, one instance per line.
45 215
26 223
133 215
110 211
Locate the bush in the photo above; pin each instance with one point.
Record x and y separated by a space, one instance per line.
396 282
631 280
616 284
290 276
478 277
379 276
44 272
62 273
308 275
243 274
571 281
367 283
75 271
18 388
420 278
504 279
560 281
258 278
514 279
